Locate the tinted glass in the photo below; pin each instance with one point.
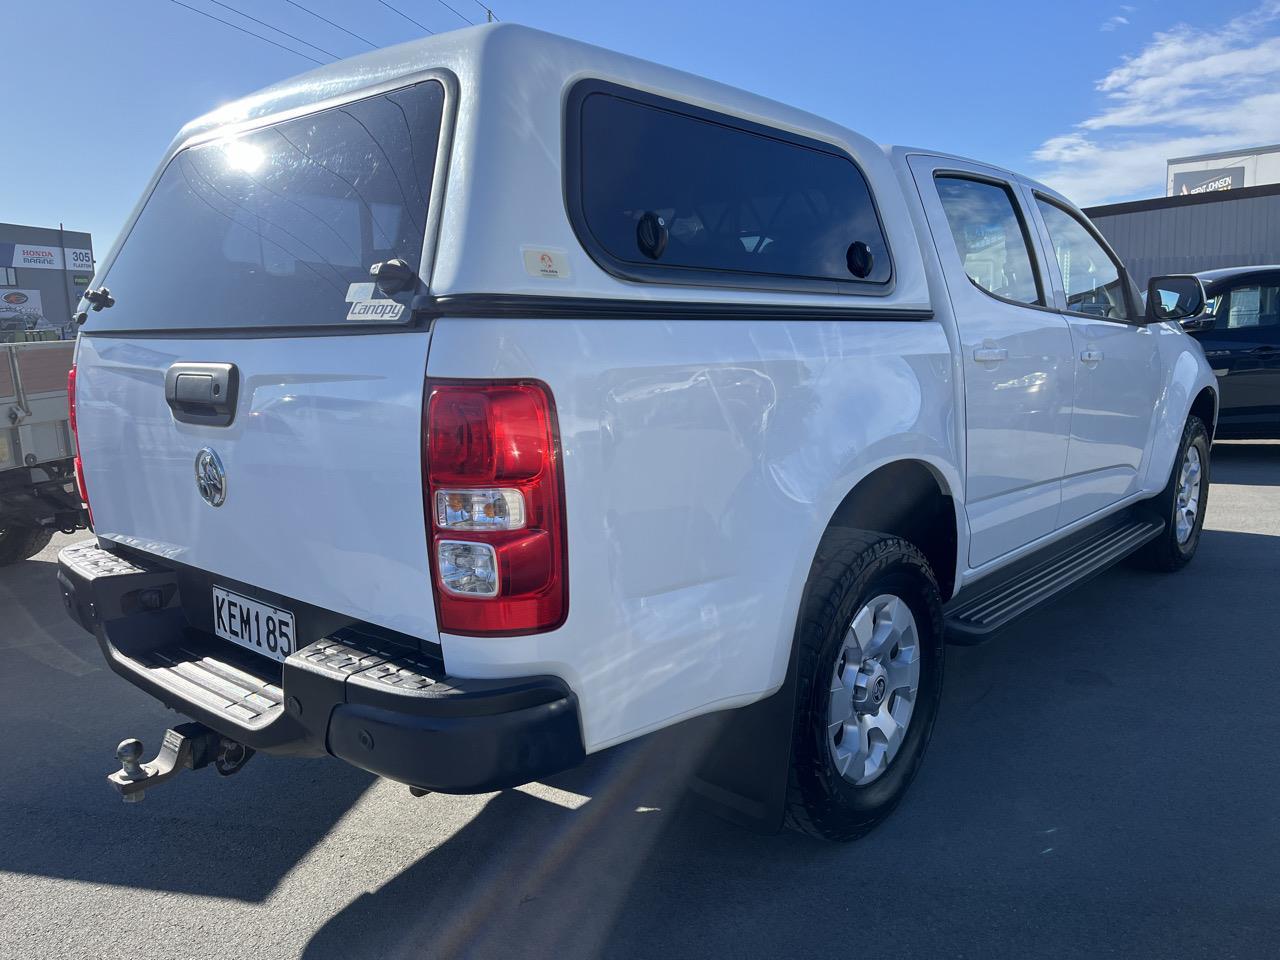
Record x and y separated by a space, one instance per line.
1091 278
1249 307
273 226
730 200
990 238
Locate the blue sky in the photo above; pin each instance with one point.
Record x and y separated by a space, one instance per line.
1091 97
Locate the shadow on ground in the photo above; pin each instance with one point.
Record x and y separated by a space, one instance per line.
1102 783
62 712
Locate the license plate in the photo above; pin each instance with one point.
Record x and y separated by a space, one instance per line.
261 627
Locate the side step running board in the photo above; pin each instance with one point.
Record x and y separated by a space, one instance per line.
976 614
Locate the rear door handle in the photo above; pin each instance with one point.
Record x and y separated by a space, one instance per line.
990 354
1091 356
203 393
1265 348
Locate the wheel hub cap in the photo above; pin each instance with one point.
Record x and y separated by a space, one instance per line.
871 686
873 689
1188 502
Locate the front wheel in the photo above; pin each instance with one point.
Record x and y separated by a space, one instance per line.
1182 503
869 677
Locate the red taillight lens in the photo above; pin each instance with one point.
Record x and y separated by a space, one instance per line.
71 399
494 500
487 434
75 439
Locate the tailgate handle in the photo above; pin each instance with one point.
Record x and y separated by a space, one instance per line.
202 393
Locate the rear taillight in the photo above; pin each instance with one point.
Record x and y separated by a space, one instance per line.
494 502
75 439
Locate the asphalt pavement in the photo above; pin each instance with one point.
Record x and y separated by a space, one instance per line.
1103 782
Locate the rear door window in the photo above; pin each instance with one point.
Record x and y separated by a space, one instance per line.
666 192
272 227
990 237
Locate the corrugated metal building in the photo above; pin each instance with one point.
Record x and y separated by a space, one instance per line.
1187 234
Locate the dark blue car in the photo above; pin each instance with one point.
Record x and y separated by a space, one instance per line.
1240 333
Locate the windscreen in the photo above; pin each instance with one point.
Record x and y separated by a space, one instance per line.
273 227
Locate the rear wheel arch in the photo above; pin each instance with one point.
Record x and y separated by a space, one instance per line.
911 500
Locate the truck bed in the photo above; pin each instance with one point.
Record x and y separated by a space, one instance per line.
33 403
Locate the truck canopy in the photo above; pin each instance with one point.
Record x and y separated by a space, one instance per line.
506 187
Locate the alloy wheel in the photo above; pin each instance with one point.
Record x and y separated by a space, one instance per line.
873 689
1187 505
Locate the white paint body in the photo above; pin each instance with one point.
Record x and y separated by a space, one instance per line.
703 459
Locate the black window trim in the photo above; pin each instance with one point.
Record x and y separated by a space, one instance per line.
1033 251
1137 311
669 274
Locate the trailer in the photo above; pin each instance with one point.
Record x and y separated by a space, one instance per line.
38 491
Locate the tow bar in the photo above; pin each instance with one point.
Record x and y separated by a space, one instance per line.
188 746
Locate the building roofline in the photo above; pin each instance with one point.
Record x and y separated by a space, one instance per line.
35 226
1225 154
1189 200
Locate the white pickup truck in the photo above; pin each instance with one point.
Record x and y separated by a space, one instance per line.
481 403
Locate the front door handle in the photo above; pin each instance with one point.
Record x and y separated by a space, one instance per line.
1091 356
1265 348
990 354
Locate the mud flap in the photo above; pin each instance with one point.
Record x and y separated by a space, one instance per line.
743 777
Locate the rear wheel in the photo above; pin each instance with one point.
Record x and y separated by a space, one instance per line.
20 543
869 674
1182 503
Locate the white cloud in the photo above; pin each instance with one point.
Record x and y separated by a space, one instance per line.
1111 23
1189 90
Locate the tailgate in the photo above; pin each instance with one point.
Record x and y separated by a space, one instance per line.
246 333
323 493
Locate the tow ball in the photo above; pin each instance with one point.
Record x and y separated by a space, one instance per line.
188 746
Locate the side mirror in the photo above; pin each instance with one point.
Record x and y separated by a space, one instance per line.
1178 297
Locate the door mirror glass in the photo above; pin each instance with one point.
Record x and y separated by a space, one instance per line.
1178 297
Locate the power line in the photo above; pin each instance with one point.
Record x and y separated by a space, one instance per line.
233 26
488 13
406 16
294 3
286 33
455 12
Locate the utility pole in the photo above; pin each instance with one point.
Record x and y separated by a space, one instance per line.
489 14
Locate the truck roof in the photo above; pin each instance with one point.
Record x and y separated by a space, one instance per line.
513 82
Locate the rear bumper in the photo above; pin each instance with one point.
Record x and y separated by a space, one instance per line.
377 705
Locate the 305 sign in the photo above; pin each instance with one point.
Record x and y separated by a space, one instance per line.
79 260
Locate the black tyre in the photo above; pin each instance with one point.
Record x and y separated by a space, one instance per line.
869 678
1181 504
19 543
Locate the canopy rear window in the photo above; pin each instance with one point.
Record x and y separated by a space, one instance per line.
667 192
273 227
